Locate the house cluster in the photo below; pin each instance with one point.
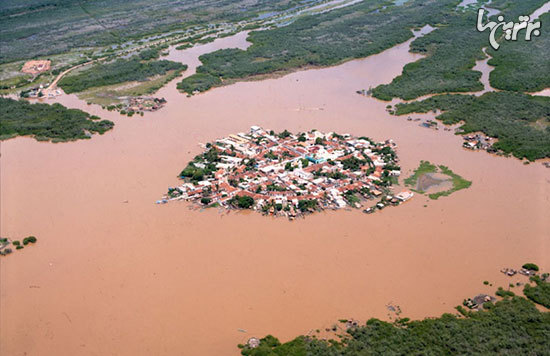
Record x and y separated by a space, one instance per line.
510 272
290 175
478 301
478 141
141 104
40 92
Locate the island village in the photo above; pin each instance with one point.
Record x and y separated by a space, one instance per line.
291 175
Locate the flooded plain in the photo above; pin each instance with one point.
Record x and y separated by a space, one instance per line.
114 274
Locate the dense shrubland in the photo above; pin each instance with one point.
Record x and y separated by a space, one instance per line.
511 326
119 71
326 39
199 82
522 65
454 47
520 122
47 122
83 24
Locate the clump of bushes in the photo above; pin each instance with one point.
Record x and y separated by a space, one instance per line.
242 201
48 122
531 267
504 293
29 239
4 242
540 293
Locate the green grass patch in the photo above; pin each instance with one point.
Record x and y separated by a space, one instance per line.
423 168
458 183
426 167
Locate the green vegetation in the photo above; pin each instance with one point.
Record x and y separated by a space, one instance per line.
5 242
531 267
329 38
351 198
426 167
423 168
119 71
540 293
111 96
509 117
512 326
29 239
57 26
521 123
198 82
458 183
520 65
504 293
47 122
353 163
242 201
15 82
275 188
151 53
307 204
451 52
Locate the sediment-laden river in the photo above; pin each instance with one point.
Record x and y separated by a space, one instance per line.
115 274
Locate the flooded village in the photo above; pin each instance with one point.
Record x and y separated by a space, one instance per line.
264 275
291 175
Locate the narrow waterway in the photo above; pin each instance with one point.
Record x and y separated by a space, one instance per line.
113 273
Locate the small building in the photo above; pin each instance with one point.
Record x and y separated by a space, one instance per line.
405 195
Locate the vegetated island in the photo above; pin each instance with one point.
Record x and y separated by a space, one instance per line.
47 122
452 49
5 243
121 84
429 177
520 123
510 326
291 175
356 31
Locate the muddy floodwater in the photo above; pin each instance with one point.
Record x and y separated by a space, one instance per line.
115 274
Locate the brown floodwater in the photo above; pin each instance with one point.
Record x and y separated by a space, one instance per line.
115 274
